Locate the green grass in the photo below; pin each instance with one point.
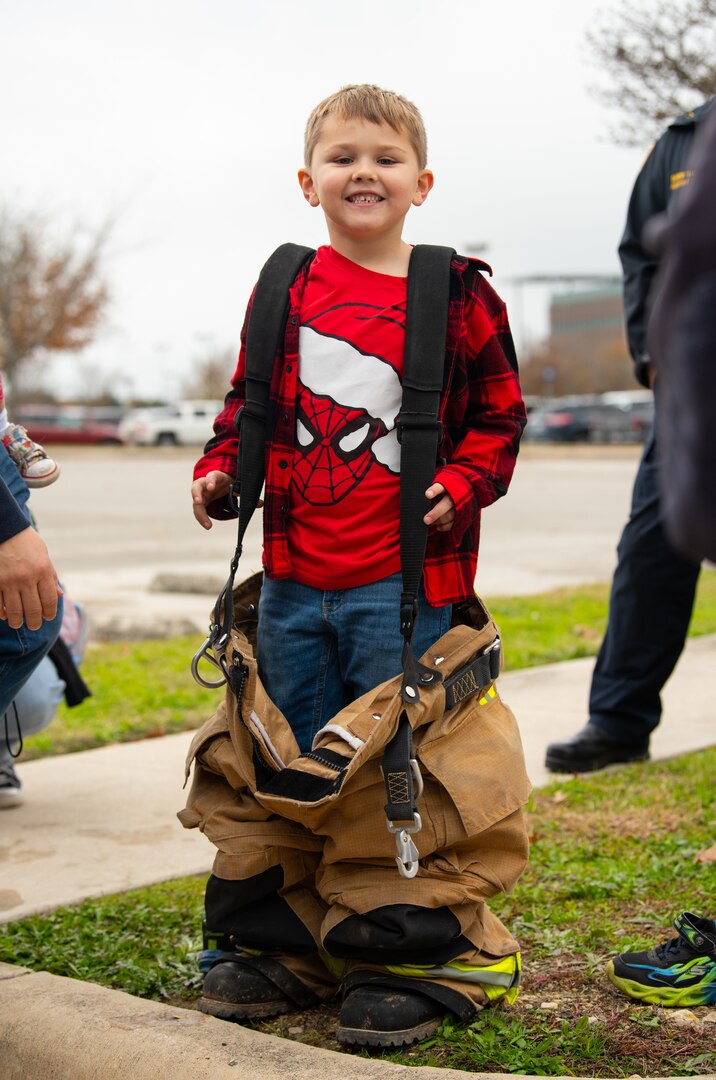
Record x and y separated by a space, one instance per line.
145 689
613 859
566 624
139 690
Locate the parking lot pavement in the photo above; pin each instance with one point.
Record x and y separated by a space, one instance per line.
118 517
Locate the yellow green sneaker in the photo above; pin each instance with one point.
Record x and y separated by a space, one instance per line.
681 972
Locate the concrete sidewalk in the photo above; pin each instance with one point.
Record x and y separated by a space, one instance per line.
104 820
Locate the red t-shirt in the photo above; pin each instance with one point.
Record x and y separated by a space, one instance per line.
343 525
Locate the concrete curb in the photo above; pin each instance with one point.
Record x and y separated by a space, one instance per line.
69 1030
56 1027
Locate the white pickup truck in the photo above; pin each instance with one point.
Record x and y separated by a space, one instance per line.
186 423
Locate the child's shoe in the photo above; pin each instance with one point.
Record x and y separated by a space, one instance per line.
36 468
681 972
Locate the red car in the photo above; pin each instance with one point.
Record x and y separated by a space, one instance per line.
70 429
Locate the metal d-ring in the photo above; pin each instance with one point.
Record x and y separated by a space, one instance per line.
205 654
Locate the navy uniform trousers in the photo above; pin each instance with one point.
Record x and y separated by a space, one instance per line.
650 608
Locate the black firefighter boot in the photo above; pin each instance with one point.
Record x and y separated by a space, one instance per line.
384 1010
235 989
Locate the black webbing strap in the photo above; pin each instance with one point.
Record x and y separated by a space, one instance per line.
473 677
419 434
403 786
264 336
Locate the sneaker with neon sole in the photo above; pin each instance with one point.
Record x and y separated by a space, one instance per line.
681 972
36 467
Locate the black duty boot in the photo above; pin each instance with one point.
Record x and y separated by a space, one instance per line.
385 1016
591 749
235 990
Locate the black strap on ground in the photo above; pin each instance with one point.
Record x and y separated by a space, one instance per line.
419 434
265 333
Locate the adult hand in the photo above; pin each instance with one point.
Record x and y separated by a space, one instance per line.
204 491
28 582
442 515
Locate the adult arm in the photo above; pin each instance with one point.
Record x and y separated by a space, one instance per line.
682 337
28 582
12 519
640 263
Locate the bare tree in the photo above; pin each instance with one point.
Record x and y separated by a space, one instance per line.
658 60
211 375
52 293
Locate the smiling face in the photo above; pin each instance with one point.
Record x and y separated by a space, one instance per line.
365 176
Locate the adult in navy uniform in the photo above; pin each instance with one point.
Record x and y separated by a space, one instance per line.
654 585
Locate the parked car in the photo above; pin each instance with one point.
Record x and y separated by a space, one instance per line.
188 423
61 428
618 417
561 420
624 417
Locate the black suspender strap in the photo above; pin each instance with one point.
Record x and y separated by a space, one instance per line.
419 434
266 328
263 341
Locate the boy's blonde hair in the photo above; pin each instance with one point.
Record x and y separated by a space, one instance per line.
368 102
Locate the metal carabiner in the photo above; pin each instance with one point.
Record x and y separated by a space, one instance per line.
407 854
205 654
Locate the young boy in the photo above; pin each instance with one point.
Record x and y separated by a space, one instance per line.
328 618
36 468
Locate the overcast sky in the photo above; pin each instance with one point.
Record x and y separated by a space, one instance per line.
184 121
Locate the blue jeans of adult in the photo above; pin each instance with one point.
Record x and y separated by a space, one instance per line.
35 705
650 607
21 650
319 650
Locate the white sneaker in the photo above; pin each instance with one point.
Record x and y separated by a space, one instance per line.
36 468
10 787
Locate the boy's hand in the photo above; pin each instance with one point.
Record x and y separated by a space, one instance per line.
442 515
204 491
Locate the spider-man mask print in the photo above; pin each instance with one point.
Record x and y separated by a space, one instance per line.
345 419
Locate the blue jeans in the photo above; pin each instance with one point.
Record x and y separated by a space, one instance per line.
318 651
36 704
21 650
650 607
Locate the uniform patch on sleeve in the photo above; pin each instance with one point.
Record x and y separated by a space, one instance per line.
680 179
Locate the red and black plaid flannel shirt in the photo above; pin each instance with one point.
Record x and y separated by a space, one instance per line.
482 413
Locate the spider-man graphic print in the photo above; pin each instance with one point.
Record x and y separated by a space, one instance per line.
344 515
346 410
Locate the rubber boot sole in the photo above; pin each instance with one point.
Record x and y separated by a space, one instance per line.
362 1037
557 764
258 1010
